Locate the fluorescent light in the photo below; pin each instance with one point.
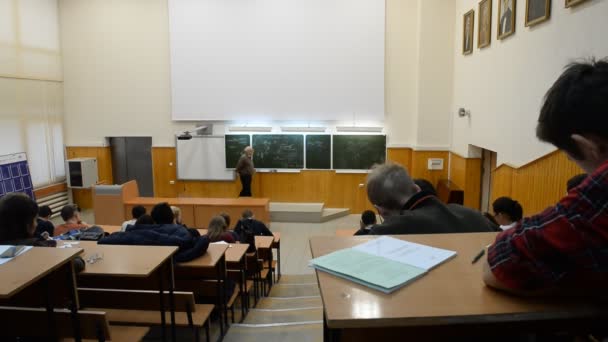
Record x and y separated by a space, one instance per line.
250 129
303 129
358 129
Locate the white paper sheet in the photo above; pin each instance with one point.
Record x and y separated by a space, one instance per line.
5 247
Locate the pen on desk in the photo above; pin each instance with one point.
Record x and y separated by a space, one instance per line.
480 254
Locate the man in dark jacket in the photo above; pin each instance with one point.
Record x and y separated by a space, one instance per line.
408 210
257 227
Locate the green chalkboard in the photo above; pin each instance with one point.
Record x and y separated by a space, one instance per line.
358 152
235 143
278 151
318 151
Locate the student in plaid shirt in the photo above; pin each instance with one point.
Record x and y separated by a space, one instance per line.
565 248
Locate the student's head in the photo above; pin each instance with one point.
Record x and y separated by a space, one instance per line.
368 218
70 213
426 186
248 151
162 213
137 211
18 215
575 181
574 115
144 219
45 212
226 219
247 214
389 187
177 215
507 210
217 227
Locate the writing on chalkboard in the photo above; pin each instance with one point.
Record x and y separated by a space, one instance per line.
278 151
235 144
318 151
358 152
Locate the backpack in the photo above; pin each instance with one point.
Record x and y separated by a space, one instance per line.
246 235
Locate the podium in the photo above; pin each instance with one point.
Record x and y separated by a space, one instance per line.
108 202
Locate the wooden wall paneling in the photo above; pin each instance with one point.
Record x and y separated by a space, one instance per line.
458 170
419 167
50 190
345 192
402 156
502 182
164 170
83 197
466 173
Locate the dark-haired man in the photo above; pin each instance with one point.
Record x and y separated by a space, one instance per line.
43 223
563 249
162 213
368 220
71 216
248 220
136 213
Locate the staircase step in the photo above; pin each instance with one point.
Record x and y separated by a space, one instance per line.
334 213
298 279
296 303
310 332
292 290
265 316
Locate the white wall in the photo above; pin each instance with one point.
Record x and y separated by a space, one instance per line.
503 84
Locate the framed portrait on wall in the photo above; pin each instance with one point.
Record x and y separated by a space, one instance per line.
570 3
468 27
484 35
506 18
537 11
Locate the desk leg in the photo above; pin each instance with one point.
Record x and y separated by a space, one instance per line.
161 291
279 261
73 305
225 286
243 288
221 301
172 300
50 310
329 335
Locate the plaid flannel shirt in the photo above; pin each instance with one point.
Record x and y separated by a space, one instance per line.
565 245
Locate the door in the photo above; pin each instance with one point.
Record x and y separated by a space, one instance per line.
488 164
132 160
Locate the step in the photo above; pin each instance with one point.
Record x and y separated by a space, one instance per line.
267 316
334 213
296 212
308 332
298 279
294 303
287 290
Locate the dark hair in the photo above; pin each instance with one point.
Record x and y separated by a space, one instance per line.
226 218
425 185
576 104
217 227
17 213
145 219
45 211
247 214
508 206
368 217
575 181
162 213
137 211
68 211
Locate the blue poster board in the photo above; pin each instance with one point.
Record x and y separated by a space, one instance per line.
15 175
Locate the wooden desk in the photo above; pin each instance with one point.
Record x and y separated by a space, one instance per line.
346 232
42 277
130 267
110 229
197 212
451 300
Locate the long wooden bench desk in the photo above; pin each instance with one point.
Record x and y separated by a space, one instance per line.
42 277
131 268
450 301
197 212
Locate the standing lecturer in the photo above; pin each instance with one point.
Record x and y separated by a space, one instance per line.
245 170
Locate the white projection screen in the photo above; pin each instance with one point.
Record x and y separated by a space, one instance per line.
277 59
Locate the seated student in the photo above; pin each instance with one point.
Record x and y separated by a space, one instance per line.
575 181
18 221
44 224
231 231
136 213
368 220
71 216
144 219
425 186
217 230
563 248
248 220
407 210
507 212
162 214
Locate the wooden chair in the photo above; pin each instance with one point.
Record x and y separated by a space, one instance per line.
125 307
448 192
32 322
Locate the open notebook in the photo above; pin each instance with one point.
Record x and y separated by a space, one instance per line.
384 264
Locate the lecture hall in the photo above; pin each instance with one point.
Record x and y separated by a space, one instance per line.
303 170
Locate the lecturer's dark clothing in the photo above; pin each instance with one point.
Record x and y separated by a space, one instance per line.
245 170
426 214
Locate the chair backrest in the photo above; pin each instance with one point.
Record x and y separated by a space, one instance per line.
33 322
448 192
133 300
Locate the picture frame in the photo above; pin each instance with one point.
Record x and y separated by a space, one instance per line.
507 10
484 31
572 3
537 11
468 29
